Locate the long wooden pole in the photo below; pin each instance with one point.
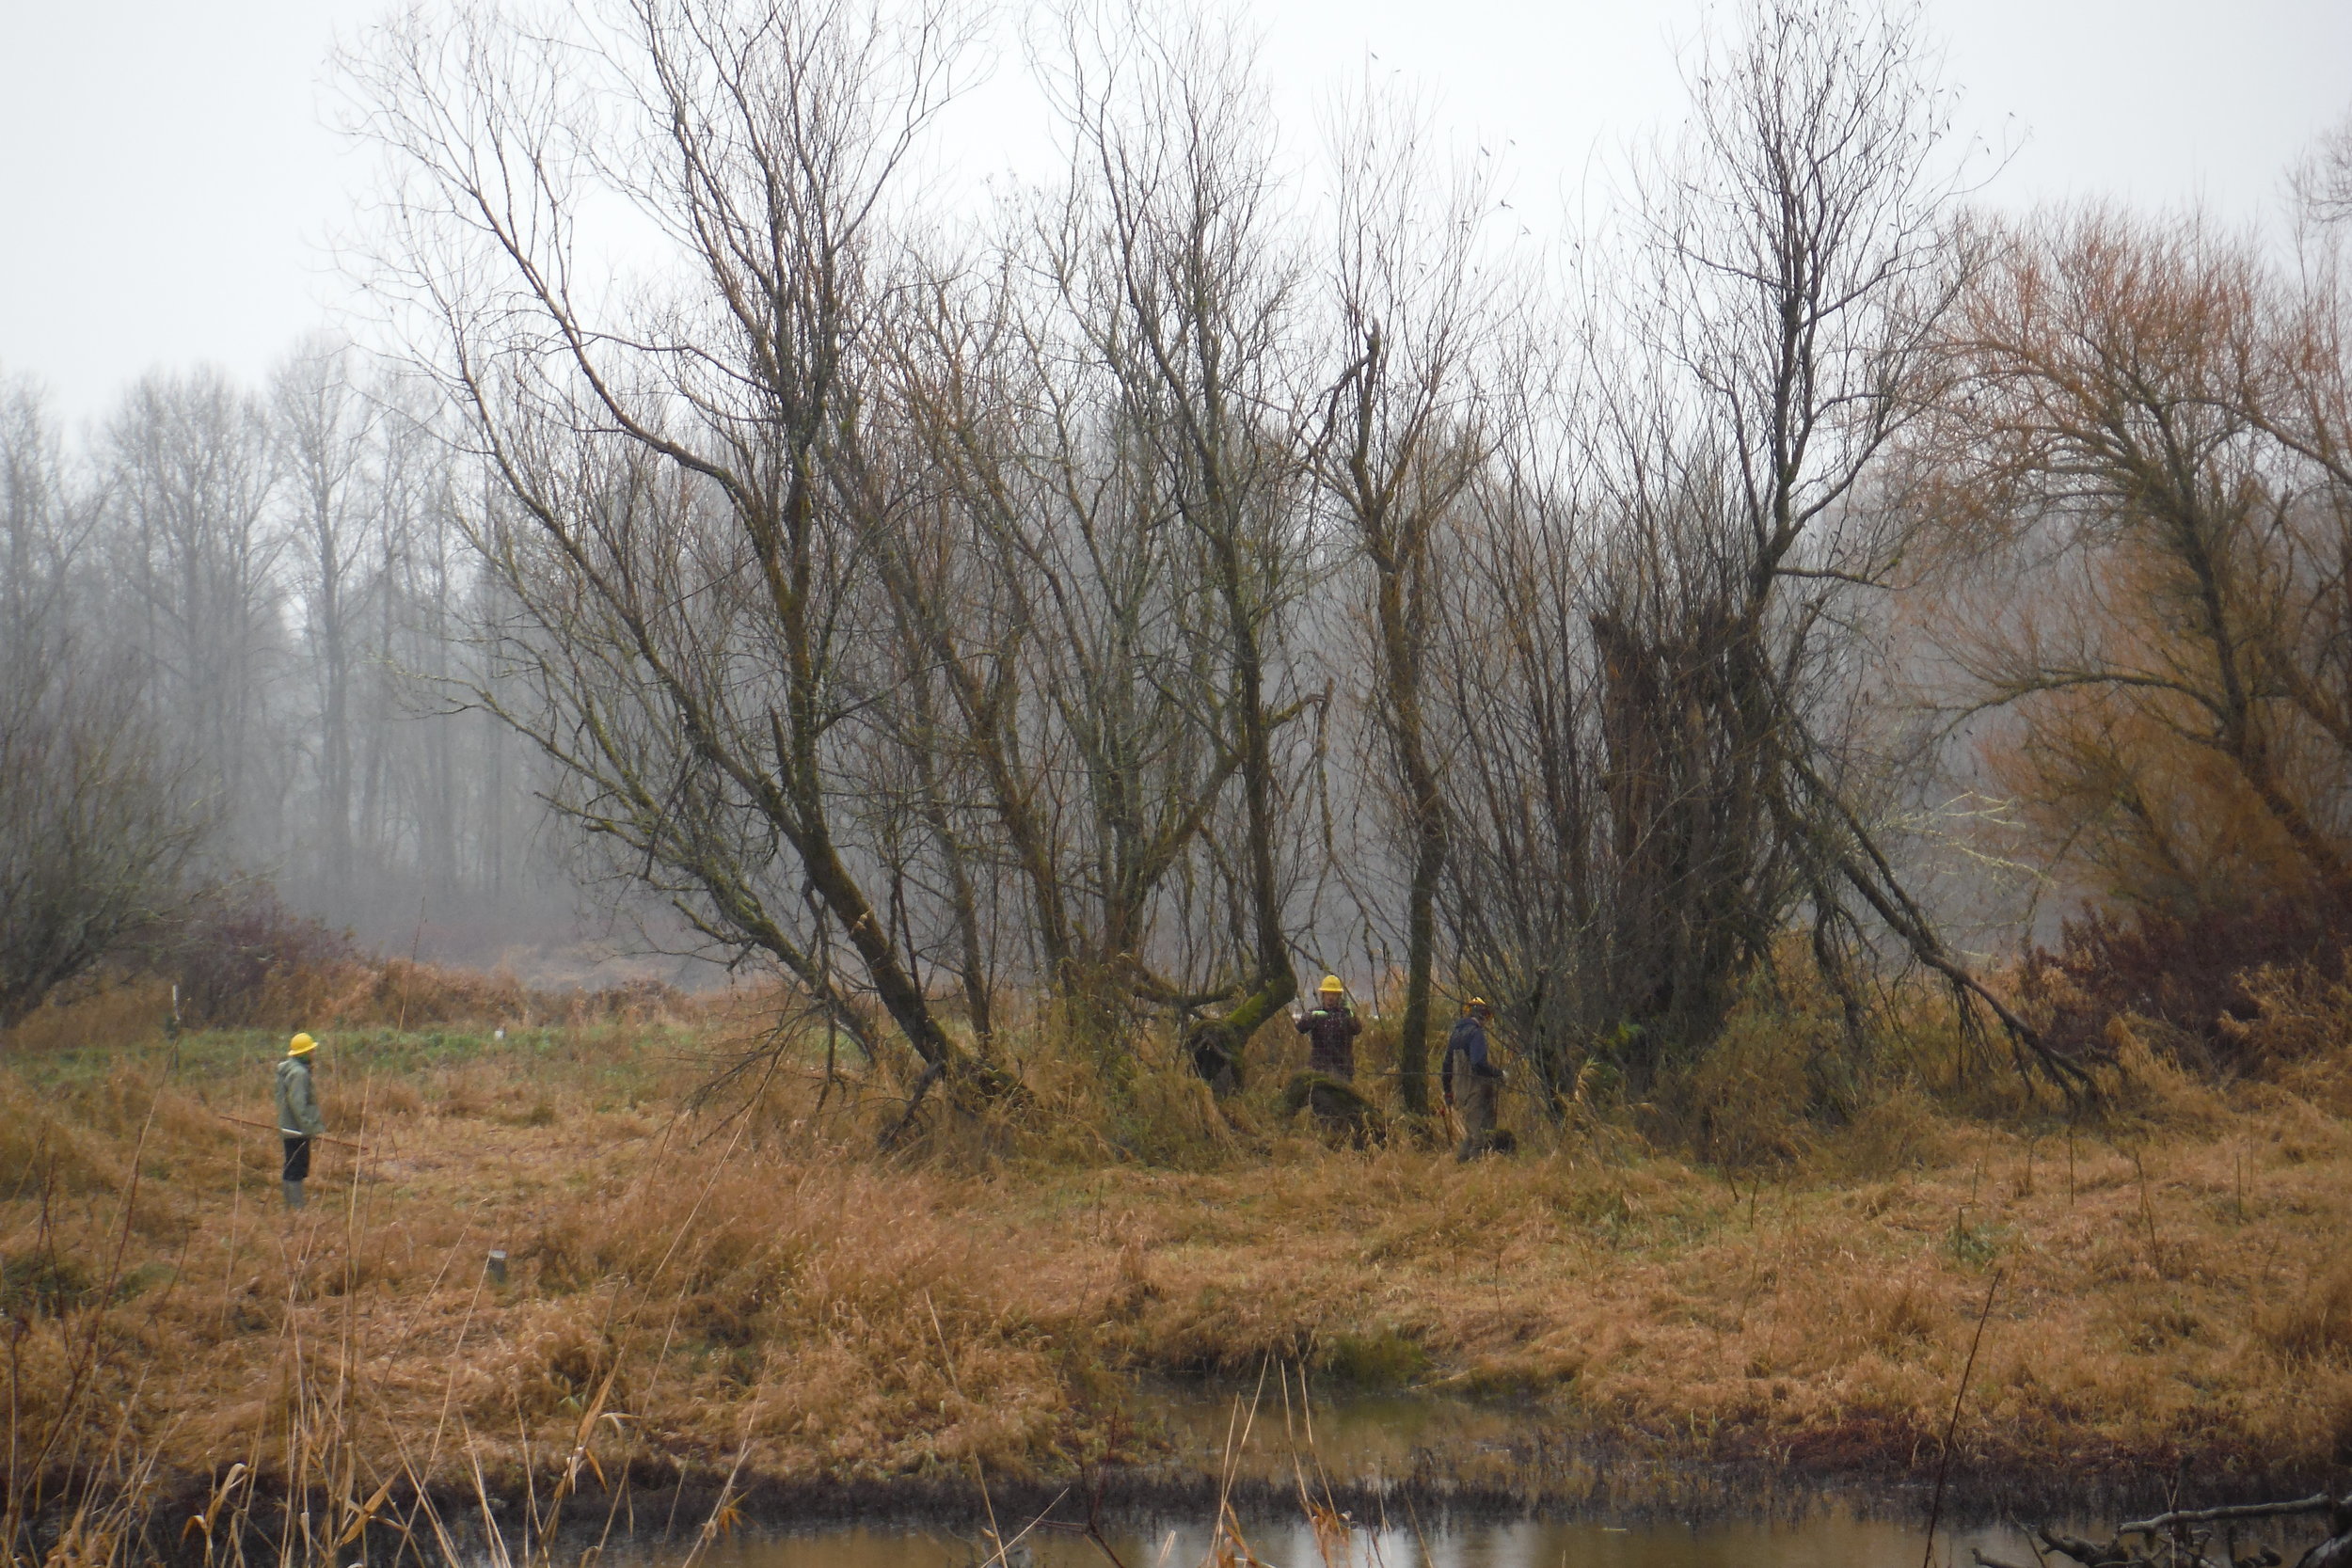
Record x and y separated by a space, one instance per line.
1951 1427
273 1126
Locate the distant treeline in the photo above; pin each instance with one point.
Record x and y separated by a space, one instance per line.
1198 569
231 622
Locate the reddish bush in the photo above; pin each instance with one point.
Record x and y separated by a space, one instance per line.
240 948
2190 975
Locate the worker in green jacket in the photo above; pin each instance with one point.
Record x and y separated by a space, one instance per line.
298 1119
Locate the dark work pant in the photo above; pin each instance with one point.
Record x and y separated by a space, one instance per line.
297 1159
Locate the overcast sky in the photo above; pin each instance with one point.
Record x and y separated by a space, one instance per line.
168 182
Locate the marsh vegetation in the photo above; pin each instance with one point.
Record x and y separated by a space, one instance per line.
1006 648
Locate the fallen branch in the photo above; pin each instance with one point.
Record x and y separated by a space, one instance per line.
2319 1502
2088 1553
2333 1552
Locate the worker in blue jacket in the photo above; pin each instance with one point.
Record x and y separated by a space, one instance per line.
1469 1078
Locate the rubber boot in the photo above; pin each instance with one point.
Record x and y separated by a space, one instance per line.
293 1193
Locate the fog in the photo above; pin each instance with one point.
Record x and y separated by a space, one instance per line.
177 189
952 509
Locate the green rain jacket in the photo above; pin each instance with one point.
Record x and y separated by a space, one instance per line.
298 1101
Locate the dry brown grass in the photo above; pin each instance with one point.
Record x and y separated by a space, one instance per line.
763 1287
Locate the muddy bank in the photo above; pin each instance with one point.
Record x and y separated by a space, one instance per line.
1379 1462
1559 1483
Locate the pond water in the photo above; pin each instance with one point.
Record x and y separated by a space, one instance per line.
1826 1540
1361 1444
1270 1447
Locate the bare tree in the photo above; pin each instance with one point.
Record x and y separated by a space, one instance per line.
2321 181
1510 704
971 605
1806 255
2143 451
1173 266
1399 446
1797 253
329 436
98 828
1051 598
198 547
686 515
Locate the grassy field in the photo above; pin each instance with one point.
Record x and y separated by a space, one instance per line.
752 1287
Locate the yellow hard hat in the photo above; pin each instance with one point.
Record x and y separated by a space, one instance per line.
1330 983
1475 1005
301 1045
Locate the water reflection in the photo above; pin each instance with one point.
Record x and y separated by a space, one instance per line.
1363 1437
1368 1441
1825 1541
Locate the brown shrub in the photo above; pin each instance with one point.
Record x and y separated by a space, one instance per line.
243 957
965 1298
394 1097
2314 1324
409 995
2335 1419
1753 1098
39 1152
117 1007
1899 1131
413 995
556 1369
2153 1086
2199 980
1896 1316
